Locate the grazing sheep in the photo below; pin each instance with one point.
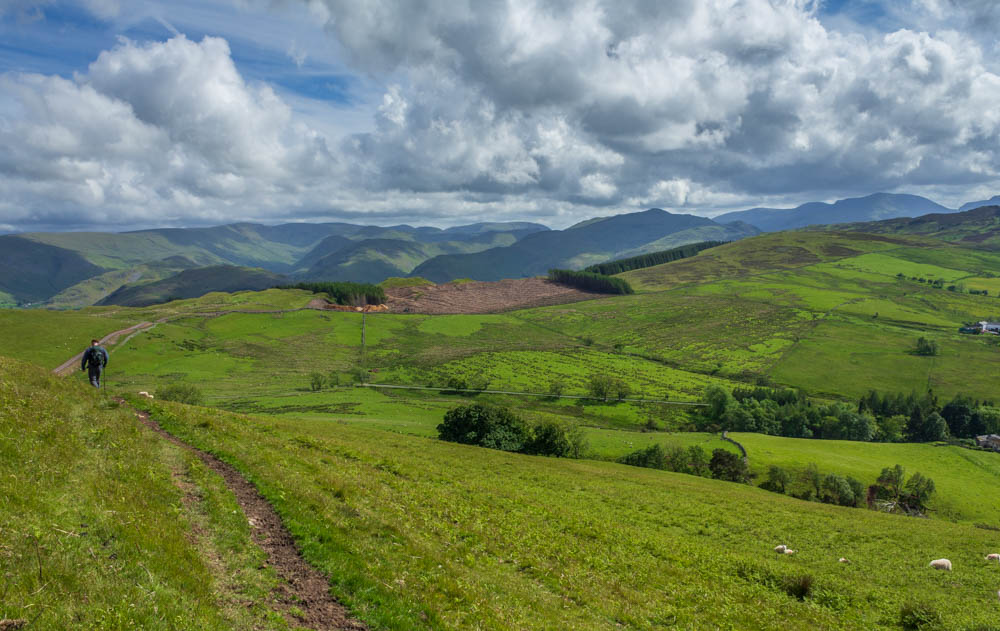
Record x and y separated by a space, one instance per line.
993 557
145 394
941 564
789 551
842 560
780 549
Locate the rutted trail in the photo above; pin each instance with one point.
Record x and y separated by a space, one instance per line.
305 588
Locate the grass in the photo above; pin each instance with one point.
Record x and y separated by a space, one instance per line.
395 281
416 533
48 338
96 534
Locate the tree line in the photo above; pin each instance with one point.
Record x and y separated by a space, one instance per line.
589 281
891 492
653 258
876 417
344 292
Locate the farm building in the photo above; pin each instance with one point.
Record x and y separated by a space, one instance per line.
989 327
991 441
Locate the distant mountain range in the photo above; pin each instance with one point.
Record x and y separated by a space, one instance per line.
75 269
871 208
586 243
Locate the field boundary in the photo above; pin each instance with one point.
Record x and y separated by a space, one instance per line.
525 394
305 588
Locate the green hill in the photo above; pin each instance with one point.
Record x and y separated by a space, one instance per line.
31 271
194 283
584 244
979 227
426 534
104 525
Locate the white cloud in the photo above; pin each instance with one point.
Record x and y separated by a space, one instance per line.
515 109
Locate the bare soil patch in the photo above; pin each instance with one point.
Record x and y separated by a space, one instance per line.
303 586
483 297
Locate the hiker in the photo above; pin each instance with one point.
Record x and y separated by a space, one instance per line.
97 358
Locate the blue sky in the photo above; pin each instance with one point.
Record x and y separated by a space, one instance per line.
443 113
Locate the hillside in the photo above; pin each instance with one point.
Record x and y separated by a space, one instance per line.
372 260
870 208
584 244
978 227
194 283
106 526
993 201
37 266
31 271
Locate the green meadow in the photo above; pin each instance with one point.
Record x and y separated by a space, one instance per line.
416 533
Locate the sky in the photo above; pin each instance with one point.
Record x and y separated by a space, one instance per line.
127 114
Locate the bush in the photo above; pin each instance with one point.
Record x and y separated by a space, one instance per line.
456 383
652 457
484 425
914 615
180 393
926 347
725 465
798 586
601 386
557 387
548 438
316 381
777 479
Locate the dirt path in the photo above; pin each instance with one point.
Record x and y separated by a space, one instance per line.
67 366
304 587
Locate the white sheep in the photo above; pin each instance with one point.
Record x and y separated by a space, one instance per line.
842 560
941 564
789 551
143 393
993 557
780 549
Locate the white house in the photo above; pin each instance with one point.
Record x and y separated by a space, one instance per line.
990 327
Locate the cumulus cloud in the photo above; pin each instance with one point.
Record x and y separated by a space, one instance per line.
748 98
545 109
152 132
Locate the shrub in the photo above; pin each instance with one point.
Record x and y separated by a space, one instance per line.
181 393
652 457
316 381
601 386
548 438
798 586
776 480
914 615
456 383
557 387
484 425
926 347
725 465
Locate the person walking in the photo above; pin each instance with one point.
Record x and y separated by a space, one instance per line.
95 359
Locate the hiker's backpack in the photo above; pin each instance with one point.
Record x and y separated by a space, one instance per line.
96 357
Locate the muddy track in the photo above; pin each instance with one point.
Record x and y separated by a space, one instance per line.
303 586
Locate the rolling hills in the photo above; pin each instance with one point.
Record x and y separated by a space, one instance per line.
593 241
418 533
194 283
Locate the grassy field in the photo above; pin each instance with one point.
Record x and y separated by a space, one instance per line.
95 532
417 533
